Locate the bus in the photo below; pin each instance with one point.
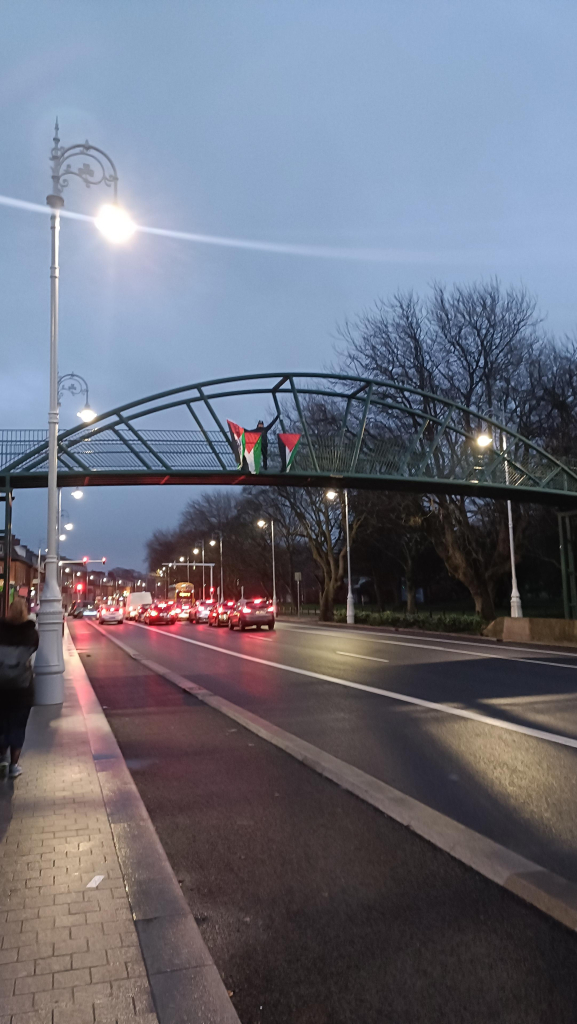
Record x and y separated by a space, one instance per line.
183 596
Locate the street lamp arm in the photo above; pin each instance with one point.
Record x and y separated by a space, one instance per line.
102 173
73 383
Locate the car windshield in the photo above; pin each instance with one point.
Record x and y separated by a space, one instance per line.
257 602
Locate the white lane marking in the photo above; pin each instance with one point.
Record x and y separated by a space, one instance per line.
566 741
444 650
94 882
430 639
364 657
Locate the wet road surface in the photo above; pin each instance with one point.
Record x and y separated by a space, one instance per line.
316 907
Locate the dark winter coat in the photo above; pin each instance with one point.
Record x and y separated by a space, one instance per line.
263 431
22 634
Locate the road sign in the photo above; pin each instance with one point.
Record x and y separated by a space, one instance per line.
298 577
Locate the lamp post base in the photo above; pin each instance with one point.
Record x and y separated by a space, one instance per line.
516 607
350 610
49 663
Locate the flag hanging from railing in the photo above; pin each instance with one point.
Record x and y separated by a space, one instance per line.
287 446
237 435
253 450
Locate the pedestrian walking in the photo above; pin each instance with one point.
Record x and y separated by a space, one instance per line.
18 642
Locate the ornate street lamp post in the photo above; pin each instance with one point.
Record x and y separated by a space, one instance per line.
97 169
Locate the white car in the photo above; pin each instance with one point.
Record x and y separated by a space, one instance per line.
112 614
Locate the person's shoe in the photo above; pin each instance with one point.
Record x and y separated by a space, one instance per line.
14 771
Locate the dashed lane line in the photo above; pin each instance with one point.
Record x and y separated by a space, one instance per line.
363 657
447 709
440 650
362 635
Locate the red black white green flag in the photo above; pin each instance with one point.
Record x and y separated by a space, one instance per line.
287 446
237 434
252 450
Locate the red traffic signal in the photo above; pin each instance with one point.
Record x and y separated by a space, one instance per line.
79 587
103 561
85 560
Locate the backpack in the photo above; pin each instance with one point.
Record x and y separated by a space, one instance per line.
15 667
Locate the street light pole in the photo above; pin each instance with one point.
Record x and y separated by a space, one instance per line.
221 571
331 495
273 566
262 523
49 664
350 599
484 440
516 606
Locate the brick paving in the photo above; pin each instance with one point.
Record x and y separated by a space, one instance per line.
68 954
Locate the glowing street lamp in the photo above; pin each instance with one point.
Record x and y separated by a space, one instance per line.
484 440
115 223
78 494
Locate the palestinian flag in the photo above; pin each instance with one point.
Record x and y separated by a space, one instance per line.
237 435
287 446
252 450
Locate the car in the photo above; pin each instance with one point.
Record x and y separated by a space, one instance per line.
253 611
160 614
183 611
200 611
85 610
111 613
218 615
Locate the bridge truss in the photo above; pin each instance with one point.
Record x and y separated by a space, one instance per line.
355 432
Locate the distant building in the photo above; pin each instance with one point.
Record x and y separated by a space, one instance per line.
23 570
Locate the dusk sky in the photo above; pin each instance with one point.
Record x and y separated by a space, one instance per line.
442 134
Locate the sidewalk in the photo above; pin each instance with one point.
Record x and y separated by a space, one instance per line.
70 950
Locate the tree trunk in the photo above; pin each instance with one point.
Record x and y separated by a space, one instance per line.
484 604
411 591
327 602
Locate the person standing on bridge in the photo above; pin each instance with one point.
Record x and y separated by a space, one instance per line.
263 431
18 642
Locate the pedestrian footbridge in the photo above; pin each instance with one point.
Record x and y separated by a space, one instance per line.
351 432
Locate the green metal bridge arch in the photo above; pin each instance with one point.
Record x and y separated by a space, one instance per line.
355 432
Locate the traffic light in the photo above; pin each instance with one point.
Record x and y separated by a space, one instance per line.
85 560
80 587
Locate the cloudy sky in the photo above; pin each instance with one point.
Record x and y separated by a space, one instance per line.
441 133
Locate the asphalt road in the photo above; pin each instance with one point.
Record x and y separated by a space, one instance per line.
316 908
509 785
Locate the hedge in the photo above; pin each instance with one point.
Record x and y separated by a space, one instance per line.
442 622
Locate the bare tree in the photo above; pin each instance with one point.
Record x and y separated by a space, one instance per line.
480 346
